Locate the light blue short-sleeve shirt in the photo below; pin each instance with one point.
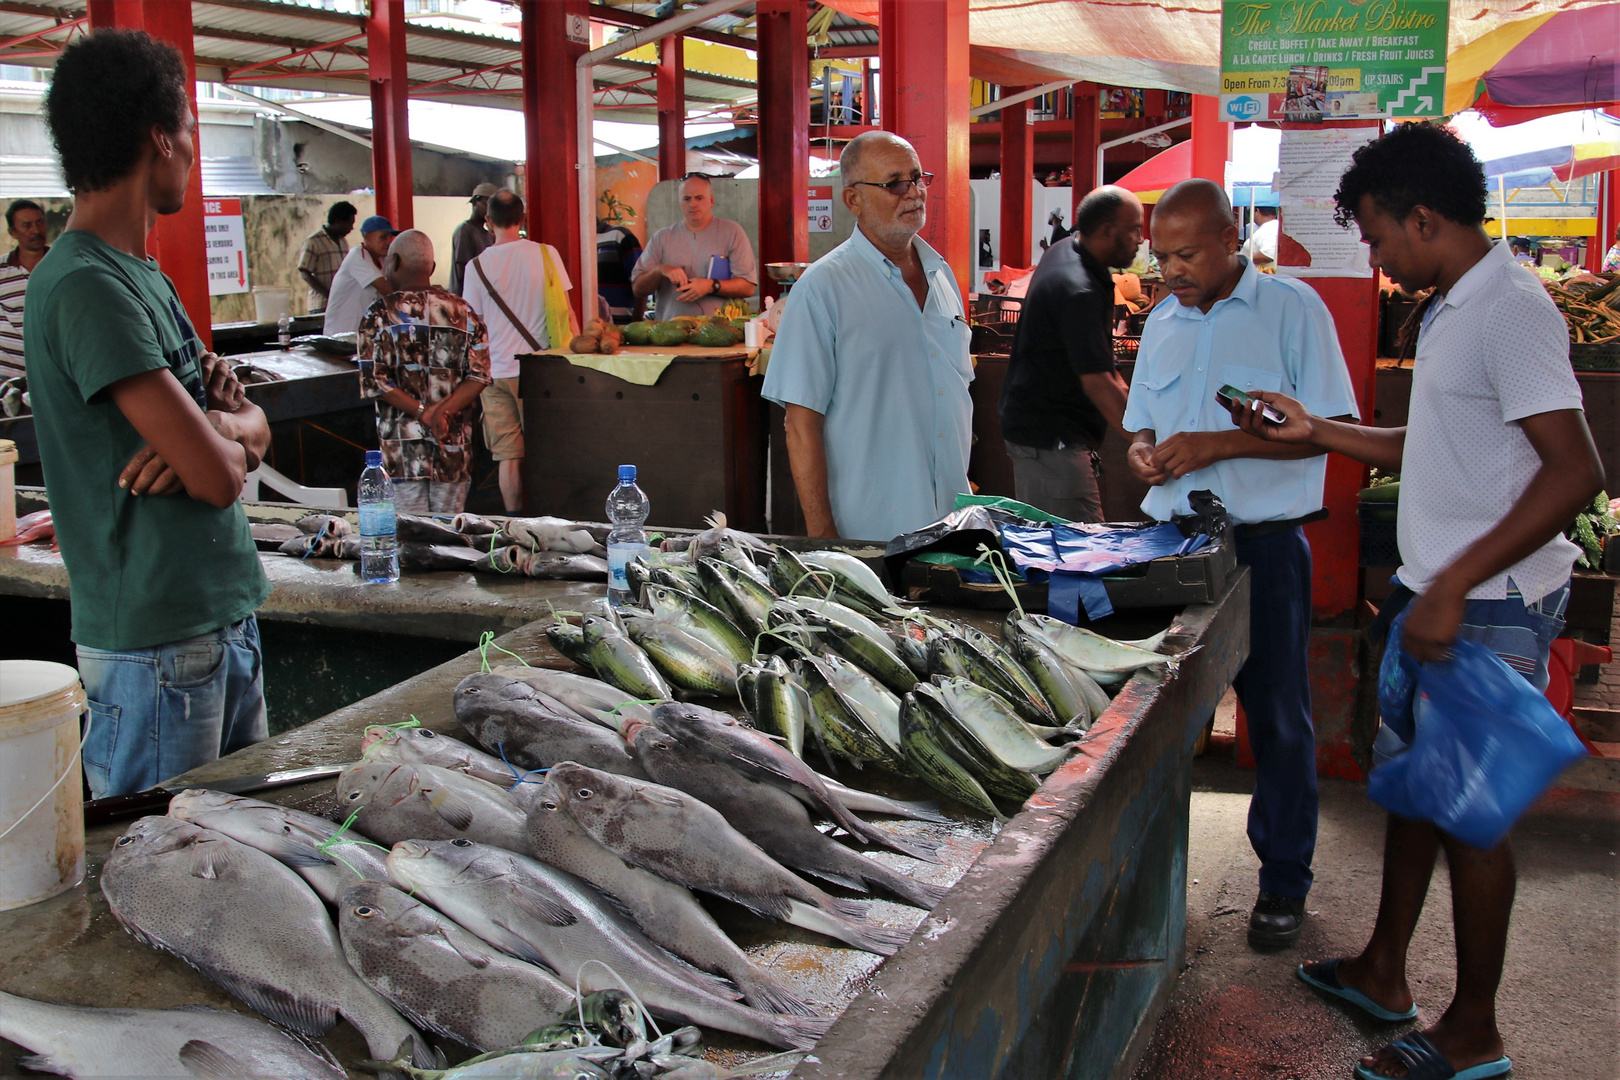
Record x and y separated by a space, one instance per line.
890 378
1272 333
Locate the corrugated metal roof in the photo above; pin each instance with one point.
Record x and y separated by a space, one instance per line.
25 176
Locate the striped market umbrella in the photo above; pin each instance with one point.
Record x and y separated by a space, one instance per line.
1546 63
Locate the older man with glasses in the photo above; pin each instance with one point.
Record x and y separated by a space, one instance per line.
871 361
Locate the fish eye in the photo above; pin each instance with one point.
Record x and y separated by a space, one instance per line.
548 806
426 734
459 842
124 841
584 793
365 911
353 795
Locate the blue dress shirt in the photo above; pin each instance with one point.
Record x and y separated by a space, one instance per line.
891 380
1272 333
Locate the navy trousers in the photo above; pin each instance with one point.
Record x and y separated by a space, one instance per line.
1275 691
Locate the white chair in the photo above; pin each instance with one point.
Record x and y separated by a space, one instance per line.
330 498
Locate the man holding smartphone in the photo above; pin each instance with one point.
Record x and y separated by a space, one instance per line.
1233 326
1496 460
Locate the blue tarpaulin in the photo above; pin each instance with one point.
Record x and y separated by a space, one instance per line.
1076 557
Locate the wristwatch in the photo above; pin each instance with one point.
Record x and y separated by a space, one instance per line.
421 407
715 289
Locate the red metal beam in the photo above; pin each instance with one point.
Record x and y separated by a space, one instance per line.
39 34
124 14
280 61
619 17
1017 177
551 122
510 68
390 117
672 107
923 45
1083 149
1211 139
784 135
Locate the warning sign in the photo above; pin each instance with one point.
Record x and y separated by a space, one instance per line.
226 241
821 202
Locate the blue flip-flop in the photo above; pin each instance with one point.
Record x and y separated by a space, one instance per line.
1324 976
1424 1062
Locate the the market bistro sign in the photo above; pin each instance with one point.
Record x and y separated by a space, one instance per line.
1311 60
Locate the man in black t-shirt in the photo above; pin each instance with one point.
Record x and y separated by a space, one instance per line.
1062 389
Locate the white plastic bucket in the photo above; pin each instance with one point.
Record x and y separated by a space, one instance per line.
271 302
41 790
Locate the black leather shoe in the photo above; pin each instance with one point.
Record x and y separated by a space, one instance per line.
1275 921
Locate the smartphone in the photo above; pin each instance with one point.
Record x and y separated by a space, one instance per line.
1230 396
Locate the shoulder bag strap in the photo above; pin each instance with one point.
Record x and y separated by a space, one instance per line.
500 303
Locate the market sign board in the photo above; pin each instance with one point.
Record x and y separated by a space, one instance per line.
226 242
821 209
1313 60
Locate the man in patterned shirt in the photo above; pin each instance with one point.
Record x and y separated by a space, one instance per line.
424 357
25 221
323 252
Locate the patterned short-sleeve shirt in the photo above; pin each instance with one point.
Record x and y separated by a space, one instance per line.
426 343
321 255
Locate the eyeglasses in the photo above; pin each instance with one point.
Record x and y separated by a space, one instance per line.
899 188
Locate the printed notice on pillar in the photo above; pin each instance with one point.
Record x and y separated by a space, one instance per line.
821 202
1313 243
226 242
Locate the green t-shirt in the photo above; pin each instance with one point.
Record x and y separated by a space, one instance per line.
145 570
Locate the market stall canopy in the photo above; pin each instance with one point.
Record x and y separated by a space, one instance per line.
1559 58
1147 43
1564 147
1254 163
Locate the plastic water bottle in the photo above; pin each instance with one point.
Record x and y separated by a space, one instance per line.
627 508
379 553
284 331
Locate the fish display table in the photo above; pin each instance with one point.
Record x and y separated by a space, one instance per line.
1051 955
697 435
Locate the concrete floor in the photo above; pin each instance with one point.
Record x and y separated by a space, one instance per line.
1239 1014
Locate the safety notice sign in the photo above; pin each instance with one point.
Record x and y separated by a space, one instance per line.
226 241
821 203
1314 60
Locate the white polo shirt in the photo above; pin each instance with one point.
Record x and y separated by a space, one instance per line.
1491 352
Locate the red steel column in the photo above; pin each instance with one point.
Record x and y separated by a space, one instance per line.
672 107
1017 176
390 119
1211 139
923 47
551 119
177 240
1085 138
784 136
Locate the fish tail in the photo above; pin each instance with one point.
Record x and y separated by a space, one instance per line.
837 921
764 993
799 1032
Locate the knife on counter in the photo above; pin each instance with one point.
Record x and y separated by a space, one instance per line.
155 800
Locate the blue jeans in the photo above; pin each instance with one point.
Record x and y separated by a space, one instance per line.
1274 687
160 711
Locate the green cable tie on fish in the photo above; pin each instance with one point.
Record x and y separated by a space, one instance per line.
1003 575
325 846
486 642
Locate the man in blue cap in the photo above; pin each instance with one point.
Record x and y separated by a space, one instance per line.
360 281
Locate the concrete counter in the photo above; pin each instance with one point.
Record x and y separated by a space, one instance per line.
1052 955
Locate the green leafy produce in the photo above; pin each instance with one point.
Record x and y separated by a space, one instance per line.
1592 526
667 333
638 333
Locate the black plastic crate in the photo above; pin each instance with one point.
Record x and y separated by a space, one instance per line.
1378 545
1169 582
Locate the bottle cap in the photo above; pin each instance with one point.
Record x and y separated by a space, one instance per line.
373 458
627 474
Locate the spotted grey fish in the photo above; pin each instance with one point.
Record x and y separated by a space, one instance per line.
507 717
401 802
443 978
248 923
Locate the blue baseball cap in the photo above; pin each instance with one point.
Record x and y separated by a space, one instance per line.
377 223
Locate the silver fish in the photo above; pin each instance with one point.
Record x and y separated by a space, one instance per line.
688 661
292 837
185 1042
248 923
540 914
400 802
424 746
701 619
993 721
591 699
688 842
771 818
549 534
666 912
440 976
620 661
854 577
775 701
508 717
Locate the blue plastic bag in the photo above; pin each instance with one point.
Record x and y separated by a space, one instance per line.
1487 744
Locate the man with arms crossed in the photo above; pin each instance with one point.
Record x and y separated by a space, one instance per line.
1495 462
1233 325
675 265
871 361
515 270
145 439
1063 390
